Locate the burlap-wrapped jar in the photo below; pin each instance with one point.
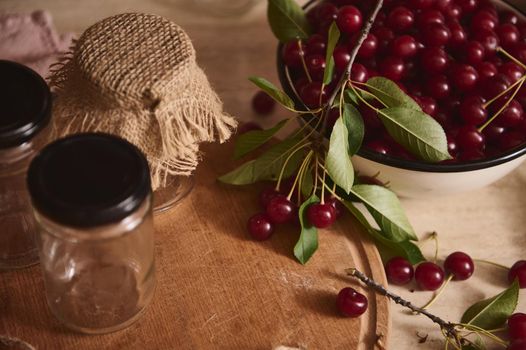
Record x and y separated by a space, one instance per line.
135 75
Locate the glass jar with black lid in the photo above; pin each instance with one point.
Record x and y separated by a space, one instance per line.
25 108
91 195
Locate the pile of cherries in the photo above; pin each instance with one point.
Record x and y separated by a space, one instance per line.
443 53
279 209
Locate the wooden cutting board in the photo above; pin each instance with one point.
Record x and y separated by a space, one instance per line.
217 288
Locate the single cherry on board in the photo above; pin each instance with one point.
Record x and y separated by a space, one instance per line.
351 303
260 227
262 103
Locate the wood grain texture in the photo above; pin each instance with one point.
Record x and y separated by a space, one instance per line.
218 289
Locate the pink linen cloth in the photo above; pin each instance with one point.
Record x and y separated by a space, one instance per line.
32 40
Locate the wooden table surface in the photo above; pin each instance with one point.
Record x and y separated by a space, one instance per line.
488 223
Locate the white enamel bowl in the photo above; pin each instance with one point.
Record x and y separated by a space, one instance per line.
423 180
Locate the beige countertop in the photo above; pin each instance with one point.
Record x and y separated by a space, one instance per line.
488 224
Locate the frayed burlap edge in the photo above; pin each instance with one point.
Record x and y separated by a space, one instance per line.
166 127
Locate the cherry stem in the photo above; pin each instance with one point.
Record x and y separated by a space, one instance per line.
354 53
491 263
332 191
487 104
304 64
448 328
294 151
510 56
302 168
437 295
368 92
482 331
323 185
522 80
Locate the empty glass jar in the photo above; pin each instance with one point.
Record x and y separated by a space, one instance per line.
25 103
91 195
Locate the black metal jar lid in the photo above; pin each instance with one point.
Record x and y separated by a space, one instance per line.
88 180
25 104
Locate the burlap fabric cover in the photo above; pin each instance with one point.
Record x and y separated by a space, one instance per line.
135 75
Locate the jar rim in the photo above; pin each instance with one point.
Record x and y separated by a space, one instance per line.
26 104
88 180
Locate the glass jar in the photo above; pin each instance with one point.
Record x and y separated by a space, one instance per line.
92 201
25 102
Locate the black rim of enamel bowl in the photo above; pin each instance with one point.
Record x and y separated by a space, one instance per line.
404 163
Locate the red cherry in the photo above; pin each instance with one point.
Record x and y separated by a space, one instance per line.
359 73
483 20
508 34
385 36
458 35
436 35
486 70
464 77
469 138
260 227
404 46
350 303
292 54
312 93
519 344
512 116
468 5
266 195
341 58
429 276
512 71
434 60
509 17
369 46
321 215
392 68
378 146
472 111
337 205
488 39
473 52
421 4
460 265
399 271
517 326
453 11
349 19
518 271
400 18
262 103
438 87
316 45
429 16
510 139
280 209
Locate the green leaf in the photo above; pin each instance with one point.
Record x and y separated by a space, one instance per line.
478 344
268 165
334 36
338 160
278 95
308 241
493 313
386 246
355 127
251 140
390 93
307 183
386 210
287 20
350 96
417 132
